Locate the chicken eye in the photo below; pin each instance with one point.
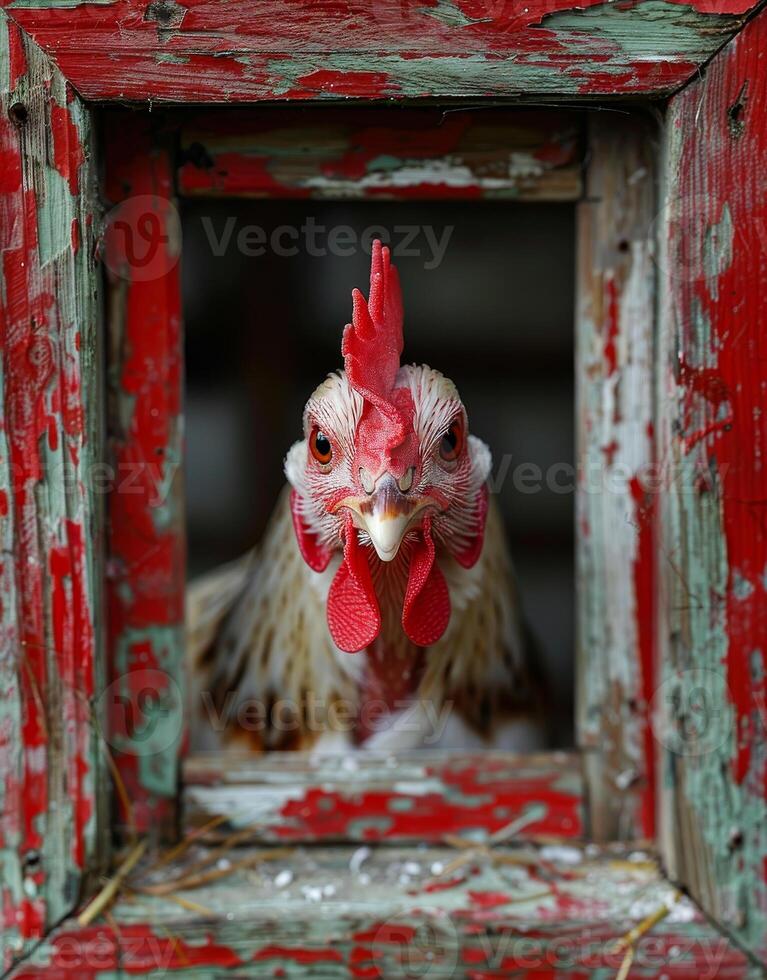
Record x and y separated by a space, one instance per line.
451 446
320 447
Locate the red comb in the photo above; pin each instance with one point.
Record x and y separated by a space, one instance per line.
373 343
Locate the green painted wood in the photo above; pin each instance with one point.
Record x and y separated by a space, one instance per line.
388 912
414 797
146 541
712 380
204 52
381 154
52 790
615 324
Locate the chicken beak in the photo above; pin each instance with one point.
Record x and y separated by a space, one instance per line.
386 514
386 533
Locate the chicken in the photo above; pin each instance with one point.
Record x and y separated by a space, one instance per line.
381 609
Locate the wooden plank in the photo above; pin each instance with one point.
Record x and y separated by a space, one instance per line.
415 797
341 912
146 542
615 362
713 544
50 618
203 51
383 154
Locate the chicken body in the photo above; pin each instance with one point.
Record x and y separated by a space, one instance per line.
380 610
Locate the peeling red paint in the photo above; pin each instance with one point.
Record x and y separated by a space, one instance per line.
384 153
326 814
723 401
146 577
644 593
303 956
715 432
433 48
17 56
67 148
48 763
612 326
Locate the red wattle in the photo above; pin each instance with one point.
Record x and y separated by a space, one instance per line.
354 618
470 555
317 556
426 611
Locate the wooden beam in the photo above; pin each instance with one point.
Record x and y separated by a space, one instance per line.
381 154
515 913
146 542
615 450
51 780
202 51
713 537
418 797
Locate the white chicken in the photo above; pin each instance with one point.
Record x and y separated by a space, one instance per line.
380 610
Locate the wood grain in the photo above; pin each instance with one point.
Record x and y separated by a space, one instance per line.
416 797
393 912
51 787
615 326
381 154
146 541
203 51
713 534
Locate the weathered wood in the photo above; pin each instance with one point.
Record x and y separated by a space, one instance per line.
386 912
205 51
713 538
383 154
615 363
146 543
418 797
50 620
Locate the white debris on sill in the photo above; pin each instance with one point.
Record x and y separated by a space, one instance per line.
312 893
283 879
358 859
561 853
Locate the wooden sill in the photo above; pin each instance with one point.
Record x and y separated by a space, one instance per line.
411 798
521 910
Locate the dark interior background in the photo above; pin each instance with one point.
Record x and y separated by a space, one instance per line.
495 315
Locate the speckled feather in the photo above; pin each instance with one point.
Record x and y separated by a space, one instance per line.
258 628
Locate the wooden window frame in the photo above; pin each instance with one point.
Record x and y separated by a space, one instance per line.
65 603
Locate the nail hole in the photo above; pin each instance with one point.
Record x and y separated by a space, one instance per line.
623 245
736 114
18 113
